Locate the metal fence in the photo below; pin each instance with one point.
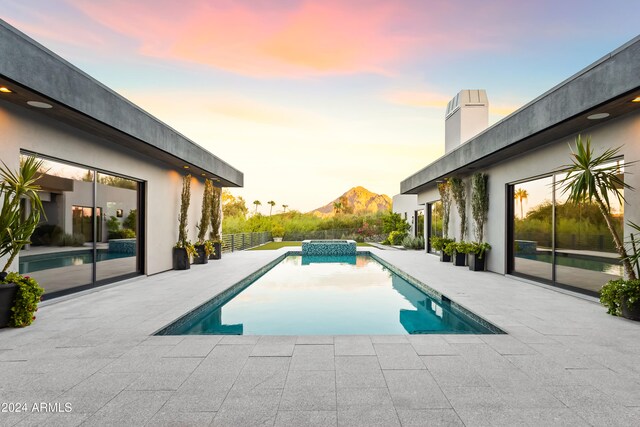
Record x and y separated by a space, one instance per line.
242 241
342 233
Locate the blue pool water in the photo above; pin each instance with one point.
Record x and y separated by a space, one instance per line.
609 266
31 263
328 296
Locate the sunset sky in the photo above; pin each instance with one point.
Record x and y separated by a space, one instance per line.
311 98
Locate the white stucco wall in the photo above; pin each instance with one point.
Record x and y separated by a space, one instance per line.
29 130
623 132
406 205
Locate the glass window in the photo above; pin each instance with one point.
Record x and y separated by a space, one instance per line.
118 226
532 228
71 247
435 223
561 242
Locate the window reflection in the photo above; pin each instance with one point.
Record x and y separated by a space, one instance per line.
435 226
575 249
61 256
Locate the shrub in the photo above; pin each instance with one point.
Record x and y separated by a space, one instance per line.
413 242
46 235
113 223
75 239
480 248
438 243
131 221
396 237
26 301
464 247
125 233
616 291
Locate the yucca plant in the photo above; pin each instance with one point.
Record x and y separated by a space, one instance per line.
15 228
592 179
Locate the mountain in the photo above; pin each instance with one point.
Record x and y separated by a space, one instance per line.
357 200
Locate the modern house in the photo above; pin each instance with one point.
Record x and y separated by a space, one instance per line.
112 172
533 232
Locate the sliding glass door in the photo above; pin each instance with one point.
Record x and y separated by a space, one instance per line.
90 233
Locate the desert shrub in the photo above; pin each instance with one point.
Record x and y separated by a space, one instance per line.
46 235
125 233
413 242
396 237
75 239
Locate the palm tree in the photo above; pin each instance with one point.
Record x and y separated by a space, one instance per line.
285 208
337 207
521 194
593 179
272 204
257 203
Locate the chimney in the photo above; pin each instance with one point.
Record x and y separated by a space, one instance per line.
467 115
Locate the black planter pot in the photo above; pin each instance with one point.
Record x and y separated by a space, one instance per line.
444 257
475 263
460 260
7 296
181 259
627 313
200 256
217 253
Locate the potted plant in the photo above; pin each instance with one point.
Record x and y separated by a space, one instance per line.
448 250
183 250
622 298
216 222
19 295
461 250
477 256
277 232
202 254
479 212
593 179
439 243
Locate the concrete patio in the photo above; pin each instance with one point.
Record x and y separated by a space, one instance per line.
563 362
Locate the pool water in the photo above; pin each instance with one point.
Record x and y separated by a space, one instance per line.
609 266
31 263
327 296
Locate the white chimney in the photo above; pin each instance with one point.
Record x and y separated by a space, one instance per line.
467 115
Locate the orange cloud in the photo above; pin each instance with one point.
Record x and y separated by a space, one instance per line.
304 39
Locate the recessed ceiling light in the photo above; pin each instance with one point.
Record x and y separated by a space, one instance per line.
636 99
39 104
186 167
598 116
4 89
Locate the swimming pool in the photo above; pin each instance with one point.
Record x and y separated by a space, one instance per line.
316 295
31 263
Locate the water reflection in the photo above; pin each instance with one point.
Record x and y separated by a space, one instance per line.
318 297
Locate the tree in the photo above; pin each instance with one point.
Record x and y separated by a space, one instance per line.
272 204
459 195
521 194
337 207
257 203
185 200
444 188
285 208
479 203
593 179
205 215
232 206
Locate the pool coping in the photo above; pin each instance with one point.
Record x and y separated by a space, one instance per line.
244 283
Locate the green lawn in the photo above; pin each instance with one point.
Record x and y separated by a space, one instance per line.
277 245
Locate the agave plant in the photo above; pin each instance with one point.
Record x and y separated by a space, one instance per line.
593 179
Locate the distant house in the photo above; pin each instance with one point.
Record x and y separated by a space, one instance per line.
113 173
534 234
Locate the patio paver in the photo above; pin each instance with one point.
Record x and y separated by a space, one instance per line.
563 361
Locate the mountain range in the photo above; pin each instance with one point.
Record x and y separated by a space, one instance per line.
356 200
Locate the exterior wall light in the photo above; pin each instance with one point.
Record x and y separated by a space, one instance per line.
39 104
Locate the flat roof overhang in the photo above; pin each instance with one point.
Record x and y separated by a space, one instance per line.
35 73
608 85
